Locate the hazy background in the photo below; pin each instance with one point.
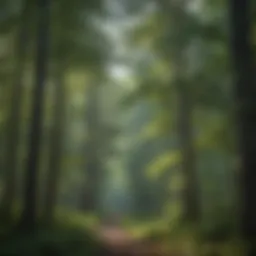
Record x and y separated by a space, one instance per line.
140 114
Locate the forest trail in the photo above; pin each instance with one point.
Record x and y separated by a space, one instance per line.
120 242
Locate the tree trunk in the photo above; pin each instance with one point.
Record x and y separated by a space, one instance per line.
191 205
28 218
188 163
14 119
245 89
93 165
56 146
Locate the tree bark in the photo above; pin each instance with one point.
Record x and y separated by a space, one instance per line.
245 92
56 146
185 106
92 165
14 119
28 217
191 204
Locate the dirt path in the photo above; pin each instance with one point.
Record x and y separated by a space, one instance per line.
119 242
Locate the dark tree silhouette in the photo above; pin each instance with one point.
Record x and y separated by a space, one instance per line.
56 146
28 217
245 89
14 122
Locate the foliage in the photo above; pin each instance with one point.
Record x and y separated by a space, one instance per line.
136 127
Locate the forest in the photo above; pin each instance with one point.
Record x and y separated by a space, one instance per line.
127 127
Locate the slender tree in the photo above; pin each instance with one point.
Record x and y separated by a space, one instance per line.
245 91
188 163
93 149
28 218
185 107
14 121
56 146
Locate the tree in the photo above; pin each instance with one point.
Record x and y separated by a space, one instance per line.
14 121
82 52
185 109
93 162
56 145
245 91
28 217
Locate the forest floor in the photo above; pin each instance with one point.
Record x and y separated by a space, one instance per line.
120 242
108 241
78 236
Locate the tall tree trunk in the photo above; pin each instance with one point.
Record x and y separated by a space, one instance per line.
14 119
245 88
56 146
191 204
93 165
28 217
